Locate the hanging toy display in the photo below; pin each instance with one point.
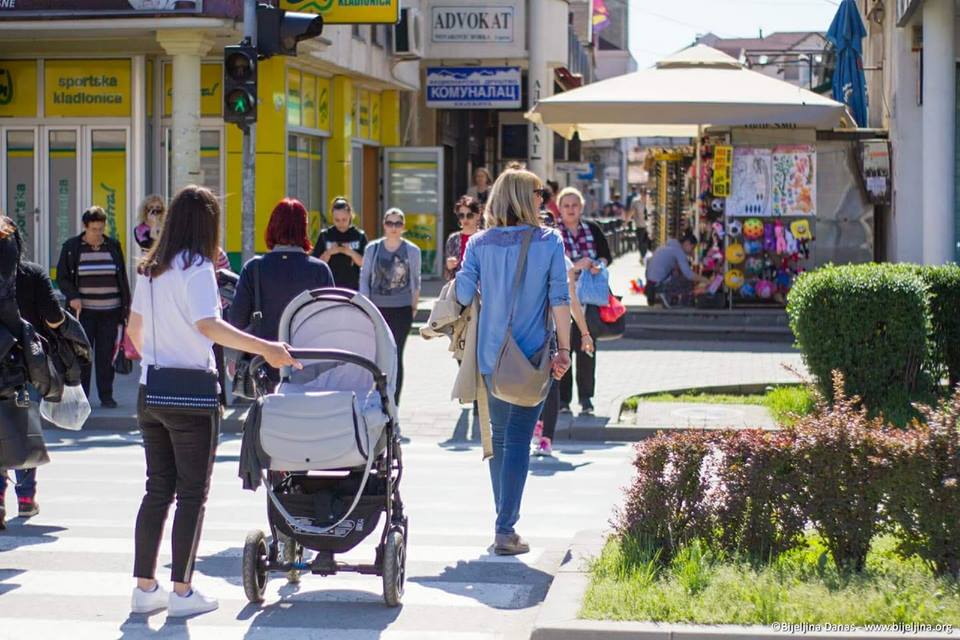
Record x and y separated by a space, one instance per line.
769 238
713 260
753 229
733 279
747 290
781 239
734 228
764 289
753 247
735 253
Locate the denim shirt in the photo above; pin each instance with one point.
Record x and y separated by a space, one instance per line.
489 266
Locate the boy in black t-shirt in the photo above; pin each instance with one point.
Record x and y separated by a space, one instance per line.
341 246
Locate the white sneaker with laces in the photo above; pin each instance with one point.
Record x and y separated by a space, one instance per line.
191 604
147 601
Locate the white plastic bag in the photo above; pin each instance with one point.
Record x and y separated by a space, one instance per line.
71 412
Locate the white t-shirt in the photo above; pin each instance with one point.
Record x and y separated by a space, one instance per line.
182 297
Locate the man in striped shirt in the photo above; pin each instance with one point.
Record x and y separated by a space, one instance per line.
92 275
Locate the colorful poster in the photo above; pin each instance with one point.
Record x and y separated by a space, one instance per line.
794 181
87 88
750 187
722 164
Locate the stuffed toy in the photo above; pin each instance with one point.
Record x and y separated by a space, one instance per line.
736 253
734 228
792 246
718 205
754 267
747 290
713 259
801 230
733 279
769 239
778 232
753 247
718 230
753 229
765 289
636 285
784 281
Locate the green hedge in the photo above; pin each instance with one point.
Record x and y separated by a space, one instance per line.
943 284
870 322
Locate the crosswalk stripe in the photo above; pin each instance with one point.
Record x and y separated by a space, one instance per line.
55 543
37 628
338 588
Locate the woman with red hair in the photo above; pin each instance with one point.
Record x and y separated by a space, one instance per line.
284 273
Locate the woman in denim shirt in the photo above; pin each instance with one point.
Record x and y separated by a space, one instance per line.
489 268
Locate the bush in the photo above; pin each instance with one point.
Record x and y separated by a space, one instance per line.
664 505
923 500
840 463
870 322
943 283
753 498
788 404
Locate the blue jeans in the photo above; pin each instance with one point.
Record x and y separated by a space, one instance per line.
512 428
26 486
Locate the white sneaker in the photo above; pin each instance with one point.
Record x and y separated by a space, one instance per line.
190 605
147 601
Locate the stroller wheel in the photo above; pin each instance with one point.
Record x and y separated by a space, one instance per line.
255 566
394 568
292 552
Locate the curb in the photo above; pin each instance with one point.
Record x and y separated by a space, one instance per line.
557 618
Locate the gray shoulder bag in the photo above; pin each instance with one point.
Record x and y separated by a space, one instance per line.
516 379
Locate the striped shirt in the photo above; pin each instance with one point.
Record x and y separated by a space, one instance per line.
97 272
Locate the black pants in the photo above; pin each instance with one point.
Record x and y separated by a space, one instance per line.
101 330
179 449
550 411
400 319
586 371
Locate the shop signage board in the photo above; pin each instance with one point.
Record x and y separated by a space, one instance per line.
875 170
474 87
87 88
722 164
415 185
573 167
75 8
211 89
348 11
472 24
18 88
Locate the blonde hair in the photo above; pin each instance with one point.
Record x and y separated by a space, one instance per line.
570 191
511 200
149 200
485 172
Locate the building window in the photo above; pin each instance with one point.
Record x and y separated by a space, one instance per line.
305 176
359 32
378 34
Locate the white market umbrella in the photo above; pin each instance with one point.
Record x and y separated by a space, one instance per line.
696 87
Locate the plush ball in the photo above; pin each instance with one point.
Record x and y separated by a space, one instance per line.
736 253
765 289
733 279
747 290
735 228
753 229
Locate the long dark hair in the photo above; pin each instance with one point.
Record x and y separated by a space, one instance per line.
191 228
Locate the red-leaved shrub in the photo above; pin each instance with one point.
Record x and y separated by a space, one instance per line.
841 466
664 506
923 495
754 493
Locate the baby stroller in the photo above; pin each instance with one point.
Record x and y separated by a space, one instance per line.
327 446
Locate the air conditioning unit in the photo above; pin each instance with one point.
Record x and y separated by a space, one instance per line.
408 35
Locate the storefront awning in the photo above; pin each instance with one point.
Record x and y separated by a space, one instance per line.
699 86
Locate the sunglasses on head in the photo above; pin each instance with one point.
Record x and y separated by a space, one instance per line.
470 215
396 224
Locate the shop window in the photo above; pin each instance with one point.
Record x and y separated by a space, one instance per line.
62 194
513 141
21 200
305 176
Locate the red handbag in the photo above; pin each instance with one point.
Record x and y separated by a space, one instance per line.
613 311
128 349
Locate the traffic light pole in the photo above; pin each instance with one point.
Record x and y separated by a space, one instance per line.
248 206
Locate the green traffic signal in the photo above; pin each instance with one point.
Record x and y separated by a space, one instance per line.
239 102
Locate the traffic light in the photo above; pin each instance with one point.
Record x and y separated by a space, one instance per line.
279 31
240 84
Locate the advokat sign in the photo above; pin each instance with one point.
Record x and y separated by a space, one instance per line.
491 24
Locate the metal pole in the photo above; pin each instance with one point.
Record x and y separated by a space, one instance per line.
248 206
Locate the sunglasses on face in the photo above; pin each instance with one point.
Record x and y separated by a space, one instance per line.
156 211
470 215
541 192
396 224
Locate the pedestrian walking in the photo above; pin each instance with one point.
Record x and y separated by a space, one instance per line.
516 305
152 210
174 322
480 189
586 246
284 273
92 275
37 304
544 432
342 245
469 214
390 277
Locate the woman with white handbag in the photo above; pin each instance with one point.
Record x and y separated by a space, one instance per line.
517 268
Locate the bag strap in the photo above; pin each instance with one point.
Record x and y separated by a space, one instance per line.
153 324
518 277
257 316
